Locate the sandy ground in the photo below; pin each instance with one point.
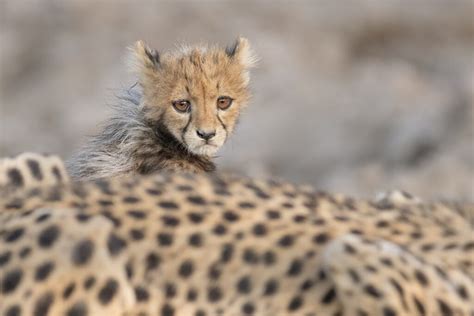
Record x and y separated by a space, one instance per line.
350 96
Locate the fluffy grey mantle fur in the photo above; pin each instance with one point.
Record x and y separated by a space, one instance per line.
130 144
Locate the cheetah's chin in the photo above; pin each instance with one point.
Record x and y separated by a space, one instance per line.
208 150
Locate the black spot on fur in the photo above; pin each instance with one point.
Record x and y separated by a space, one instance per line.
78 309
468 246
271 287
421 277
192 295
43 217
227 252
105 203
48 236
219 229
388 311
246 205
319 222
43 271
108 291
186 269
214 271
231 216
152 261
89 282
349 249
82 218
82 252
35 169
444 308
14 234
184 188
250 256
286 241
136 214
15 177
372 291
137 234
115 244
200 312
386 262
320 238
197 200
295 268
399 289
154 192
57 174
69 290
272 214
112 218
170 290
5 257
244 285
427 247
167 310
165 239
329 296
462 292
170 221
258 192
141 294
195 240
306 285
214 294
381 224
129 270
14 310
295 303
11 280
43 304
269 258
131 199
259 230
419 306
248 308
104 187
354 275
195 217
299 218
168 205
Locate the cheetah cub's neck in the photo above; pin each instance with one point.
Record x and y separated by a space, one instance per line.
184 108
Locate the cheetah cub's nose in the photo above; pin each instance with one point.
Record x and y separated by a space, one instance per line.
205 134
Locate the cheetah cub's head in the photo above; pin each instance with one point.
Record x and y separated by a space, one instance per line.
196 93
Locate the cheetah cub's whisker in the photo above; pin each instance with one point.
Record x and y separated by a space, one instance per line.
184 108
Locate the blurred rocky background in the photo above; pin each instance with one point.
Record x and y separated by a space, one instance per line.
350 96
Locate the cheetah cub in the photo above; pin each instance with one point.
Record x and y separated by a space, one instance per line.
183 109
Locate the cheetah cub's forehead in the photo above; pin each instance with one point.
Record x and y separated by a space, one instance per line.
197 65
195 93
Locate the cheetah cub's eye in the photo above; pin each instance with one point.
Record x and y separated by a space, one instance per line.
182 106
223 103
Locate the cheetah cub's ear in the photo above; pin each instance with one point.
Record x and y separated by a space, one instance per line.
145 61
242 53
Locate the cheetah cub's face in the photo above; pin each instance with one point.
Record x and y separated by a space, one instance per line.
196 93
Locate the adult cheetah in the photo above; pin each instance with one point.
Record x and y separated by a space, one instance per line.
181 244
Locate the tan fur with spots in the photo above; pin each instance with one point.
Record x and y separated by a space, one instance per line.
181 244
